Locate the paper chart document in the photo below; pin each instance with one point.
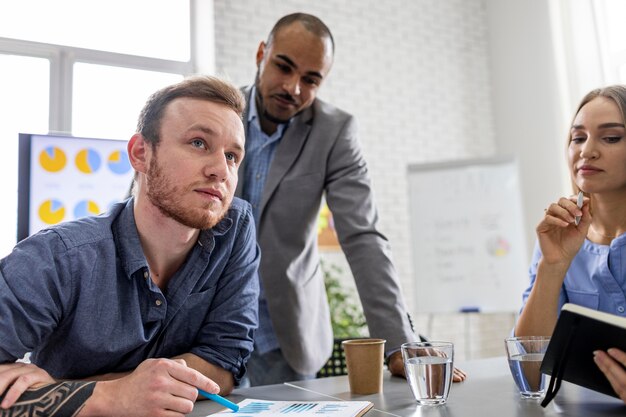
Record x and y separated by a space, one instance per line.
262 408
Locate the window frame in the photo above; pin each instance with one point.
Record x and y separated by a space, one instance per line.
62 59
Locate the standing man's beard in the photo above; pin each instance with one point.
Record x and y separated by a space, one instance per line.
262 110
167 198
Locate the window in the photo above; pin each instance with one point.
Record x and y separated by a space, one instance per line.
24 106
609 20
92 77
593 44
150 28
107 100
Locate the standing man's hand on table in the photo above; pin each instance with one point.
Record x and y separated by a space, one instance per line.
396 367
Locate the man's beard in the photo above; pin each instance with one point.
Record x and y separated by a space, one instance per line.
166 197
262 110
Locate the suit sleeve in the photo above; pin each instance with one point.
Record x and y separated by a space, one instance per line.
350 199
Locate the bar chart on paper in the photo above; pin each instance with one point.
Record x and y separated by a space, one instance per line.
262 408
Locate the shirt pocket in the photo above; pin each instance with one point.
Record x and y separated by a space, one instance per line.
587 299
185 325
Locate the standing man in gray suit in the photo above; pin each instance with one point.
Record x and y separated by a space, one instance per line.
298 149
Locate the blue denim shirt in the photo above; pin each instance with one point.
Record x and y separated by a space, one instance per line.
78 295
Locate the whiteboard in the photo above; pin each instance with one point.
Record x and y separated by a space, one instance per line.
469 246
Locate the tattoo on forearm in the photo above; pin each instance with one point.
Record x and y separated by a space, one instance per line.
60 399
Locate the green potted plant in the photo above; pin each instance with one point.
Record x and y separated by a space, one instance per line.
346 315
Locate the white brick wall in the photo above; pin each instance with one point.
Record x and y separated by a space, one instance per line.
414 73
475 335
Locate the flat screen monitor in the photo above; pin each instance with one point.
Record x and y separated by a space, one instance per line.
64 178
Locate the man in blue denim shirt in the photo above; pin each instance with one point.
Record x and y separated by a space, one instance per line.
170 273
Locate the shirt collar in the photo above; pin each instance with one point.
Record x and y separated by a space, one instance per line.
128 244
253 116
127 240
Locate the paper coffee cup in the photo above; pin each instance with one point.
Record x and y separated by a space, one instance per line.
364 361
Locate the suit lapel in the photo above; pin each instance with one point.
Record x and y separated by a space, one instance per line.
240 173
287 152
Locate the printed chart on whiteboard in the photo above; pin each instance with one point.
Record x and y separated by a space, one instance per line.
469 248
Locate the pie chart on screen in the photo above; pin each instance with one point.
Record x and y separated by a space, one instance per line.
52 159
87 161
51 211
86 208
118 162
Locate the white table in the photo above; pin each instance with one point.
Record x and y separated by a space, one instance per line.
488 391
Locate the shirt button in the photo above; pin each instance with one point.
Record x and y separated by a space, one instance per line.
158 303
258 176
620 309
145 274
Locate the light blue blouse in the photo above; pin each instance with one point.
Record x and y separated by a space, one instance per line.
596 278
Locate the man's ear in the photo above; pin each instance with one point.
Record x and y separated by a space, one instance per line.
138 152
260 53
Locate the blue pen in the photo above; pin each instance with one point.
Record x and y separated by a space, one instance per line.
220 400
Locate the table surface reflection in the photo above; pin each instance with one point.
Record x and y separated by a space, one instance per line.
489 390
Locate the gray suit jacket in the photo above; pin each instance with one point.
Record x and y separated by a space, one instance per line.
319 153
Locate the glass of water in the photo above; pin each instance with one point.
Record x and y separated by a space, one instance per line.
525 354
429 367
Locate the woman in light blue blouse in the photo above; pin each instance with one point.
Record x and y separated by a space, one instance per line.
585 264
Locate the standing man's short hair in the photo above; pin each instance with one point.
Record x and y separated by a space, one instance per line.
312 23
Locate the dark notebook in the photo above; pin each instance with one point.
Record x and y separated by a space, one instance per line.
578 333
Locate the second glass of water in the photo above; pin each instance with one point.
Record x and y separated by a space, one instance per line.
525 355
429 367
